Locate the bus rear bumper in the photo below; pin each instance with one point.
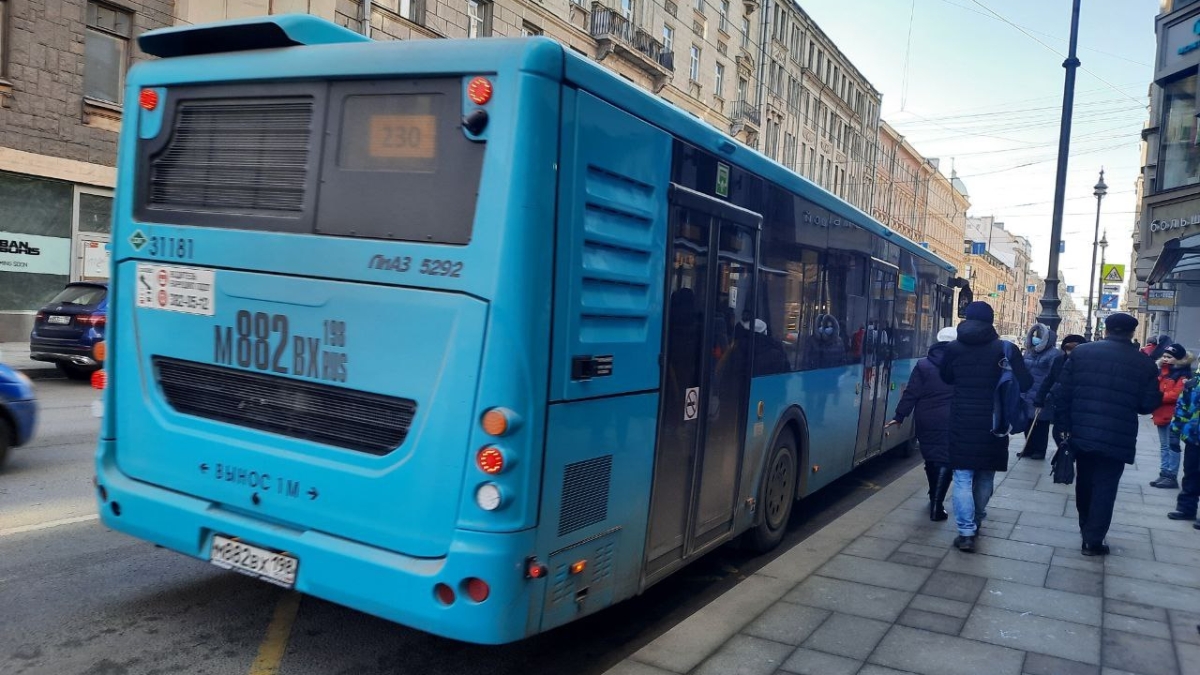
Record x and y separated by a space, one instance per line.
387 584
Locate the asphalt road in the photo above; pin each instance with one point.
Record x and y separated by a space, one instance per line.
77 598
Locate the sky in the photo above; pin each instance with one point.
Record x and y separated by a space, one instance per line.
960 81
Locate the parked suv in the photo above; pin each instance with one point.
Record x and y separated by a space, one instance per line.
67 327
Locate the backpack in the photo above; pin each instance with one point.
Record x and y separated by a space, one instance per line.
1008 410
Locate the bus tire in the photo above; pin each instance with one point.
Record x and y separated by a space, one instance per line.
778 495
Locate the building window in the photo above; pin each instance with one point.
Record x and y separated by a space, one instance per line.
741 92
479 18
694 73
699 5
3 39
106 51
413 10
796 43
724 11
529 30
719 87
745 33
627 9
1179 161
668 38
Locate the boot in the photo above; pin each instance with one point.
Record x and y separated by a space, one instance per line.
937 497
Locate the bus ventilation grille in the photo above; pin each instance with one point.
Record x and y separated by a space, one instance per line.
355 420
242 157
584 494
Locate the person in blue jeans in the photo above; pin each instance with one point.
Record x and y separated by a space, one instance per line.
972 365
1187 424
1175 367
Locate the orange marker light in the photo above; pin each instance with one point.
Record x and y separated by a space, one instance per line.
99 350
578 567
495 422
479 90
490 460
148 99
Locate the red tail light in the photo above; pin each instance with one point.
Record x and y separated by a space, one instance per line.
99 379
40 316
444 594
92 320
477 589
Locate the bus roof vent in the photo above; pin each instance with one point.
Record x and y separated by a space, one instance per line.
265 32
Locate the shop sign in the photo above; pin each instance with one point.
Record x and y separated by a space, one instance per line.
1160 300
1174 223
1180 47
34 254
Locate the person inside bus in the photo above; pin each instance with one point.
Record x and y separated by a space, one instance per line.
769 356
825 349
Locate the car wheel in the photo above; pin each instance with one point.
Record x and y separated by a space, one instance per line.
6 435
74 372
778 495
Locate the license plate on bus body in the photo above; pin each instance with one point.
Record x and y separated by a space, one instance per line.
60 320
277 568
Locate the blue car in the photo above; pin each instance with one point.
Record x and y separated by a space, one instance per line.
18 410
66 328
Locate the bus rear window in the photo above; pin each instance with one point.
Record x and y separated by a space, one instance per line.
374 159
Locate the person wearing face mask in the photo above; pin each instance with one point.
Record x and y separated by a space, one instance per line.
1040 355
1175 367
825 349
1044 398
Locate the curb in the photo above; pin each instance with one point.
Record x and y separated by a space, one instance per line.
697 637
50 373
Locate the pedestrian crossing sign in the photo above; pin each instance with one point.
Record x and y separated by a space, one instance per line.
1112 274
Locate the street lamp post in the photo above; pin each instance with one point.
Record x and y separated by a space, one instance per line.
1050 299
1100 191
1100 291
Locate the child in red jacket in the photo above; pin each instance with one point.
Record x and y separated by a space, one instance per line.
1176 367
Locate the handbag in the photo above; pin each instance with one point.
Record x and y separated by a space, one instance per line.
1062 466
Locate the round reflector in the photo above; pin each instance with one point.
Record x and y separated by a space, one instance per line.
479 90
444 594
99 379
477 589
487 496
148 99
495 422
490 460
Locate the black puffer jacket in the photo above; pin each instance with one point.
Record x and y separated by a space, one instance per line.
1039 359
929 397
1104 386
972 365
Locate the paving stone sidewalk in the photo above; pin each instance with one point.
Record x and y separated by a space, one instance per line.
880 591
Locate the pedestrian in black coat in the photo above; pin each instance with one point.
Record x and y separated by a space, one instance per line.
928 398
1044 398
1103 388
973 365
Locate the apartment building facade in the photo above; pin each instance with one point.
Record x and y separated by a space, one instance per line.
62 68
916 199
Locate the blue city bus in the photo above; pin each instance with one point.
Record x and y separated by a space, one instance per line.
474 335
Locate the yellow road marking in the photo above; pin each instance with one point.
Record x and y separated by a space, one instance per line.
274 644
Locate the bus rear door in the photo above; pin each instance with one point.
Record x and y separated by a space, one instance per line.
877 354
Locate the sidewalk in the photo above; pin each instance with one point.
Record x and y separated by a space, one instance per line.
16 356
880 591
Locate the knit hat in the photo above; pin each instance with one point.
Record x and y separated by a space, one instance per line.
980 311
1176 351
1073 340
1152 340
947 334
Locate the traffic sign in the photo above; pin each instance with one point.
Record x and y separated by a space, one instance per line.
1112 273
1108 301
1031 288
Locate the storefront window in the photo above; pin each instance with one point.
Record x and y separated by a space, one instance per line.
1179 161
95 213
35 261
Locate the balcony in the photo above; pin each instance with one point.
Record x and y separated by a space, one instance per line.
614 33
744 112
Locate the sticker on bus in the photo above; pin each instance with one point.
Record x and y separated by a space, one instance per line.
189 290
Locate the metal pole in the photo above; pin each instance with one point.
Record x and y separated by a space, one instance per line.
1100 291
1050 300
1101 190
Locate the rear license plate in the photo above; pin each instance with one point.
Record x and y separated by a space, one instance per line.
277 568
61 320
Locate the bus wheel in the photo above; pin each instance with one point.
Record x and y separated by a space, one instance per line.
778 495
